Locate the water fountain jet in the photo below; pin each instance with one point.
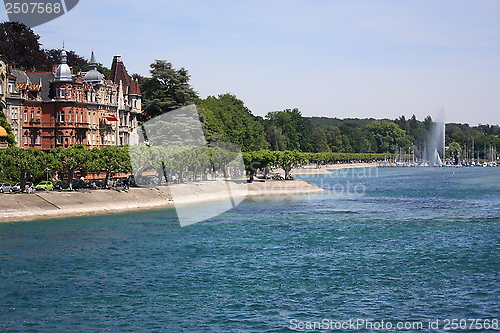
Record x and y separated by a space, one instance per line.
435 145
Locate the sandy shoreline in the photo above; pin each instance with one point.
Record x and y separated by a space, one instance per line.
52 204
323 169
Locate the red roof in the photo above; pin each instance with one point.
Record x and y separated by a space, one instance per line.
118 72
135 89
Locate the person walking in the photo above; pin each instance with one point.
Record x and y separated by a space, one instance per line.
126 184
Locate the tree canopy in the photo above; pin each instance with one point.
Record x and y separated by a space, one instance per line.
20 46
289 126
167 89
226 119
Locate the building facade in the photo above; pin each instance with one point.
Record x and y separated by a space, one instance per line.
129 102
60 108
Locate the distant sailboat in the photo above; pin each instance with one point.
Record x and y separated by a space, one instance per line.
437 159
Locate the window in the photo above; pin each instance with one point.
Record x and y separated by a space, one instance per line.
69 92
25 115
69 116
13 113
11 87
25 138
32 139
38 138
59 138
60 116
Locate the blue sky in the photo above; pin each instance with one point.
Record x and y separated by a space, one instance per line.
377 59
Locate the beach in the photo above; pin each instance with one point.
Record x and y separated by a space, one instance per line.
54 204
323 169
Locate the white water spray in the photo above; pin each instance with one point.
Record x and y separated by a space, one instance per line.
435 146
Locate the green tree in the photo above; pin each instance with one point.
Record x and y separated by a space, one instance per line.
455 150
334 139
320 140
23 162
227 119
167 89
403 124
20 46
260 159
72 159
275 138
179 128
288 159
295 128
111 159
75 61
428 123
388 135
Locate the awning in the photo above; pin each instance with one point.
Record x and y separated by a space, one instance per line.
110 117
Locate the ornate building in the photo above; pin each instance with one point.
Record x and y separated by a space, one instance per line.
101 97
129 102
59 108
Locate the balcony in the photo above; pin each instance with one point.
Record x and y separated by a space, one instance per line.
105 127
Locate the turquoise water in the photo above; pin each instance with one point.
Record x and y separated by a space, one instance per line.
399 245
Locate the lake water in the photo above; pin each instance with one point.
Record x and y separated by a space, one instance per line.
386 250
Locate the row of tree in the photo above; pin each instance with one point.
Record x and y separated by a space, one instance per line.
17 164
288 159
